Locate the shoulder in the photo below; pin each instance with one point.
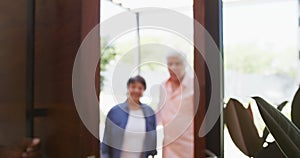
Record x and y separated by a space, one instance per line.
115 109
188 81
150 115
148 109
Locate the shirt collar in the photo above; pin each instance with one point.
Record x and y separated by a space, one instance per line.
124 106
185 81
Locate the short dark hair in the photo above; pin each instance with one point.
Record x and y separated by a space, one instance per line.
138 79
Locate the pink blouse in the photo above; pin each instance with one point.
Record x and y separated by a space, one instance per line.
176 114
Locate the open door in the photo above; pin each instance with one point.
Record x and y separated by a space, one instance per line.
39 42
60 26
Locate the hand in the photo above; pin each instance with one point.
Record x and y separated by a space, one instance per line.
28 148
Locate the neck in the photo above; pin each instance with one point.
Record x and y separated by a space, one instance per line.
133 104
177 80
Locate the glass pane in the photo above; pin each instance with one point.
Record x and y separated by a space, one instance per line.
261 56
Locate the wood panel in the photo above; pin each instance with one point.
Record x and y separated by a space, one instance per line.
12 70
209 14
59 31
199 68
90 19
213 24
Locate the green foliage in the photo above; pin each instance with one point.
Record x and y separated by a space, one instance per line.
241 128
296 109
108 53
270 151
286 134
266 131
244 134
255 59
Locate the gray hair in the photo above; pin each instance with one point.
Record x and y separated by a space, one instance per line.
181 56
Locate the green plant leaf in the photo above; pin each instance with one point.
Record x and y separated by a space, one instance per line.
266 131
285 133
272 150
296 109
241 128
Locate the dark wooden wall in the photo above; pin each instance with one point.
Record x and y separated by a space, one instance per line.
200 72
60 26
12 70
90 18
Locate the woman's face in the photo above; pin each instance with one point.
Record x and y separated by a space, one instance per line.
135 90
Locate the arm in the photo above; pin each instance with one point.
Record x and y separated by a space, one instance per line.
162 99
154 151
105 148
155 125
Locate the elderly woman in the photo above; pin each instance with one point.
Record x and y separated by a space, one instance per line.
177 109
130 128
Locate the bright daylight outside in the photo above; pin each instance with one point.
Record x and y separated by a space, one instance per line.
260 39
260 57
124 52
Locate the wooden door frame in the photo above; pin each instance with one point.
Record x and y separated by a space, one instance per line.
90 18
209 14
89 14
